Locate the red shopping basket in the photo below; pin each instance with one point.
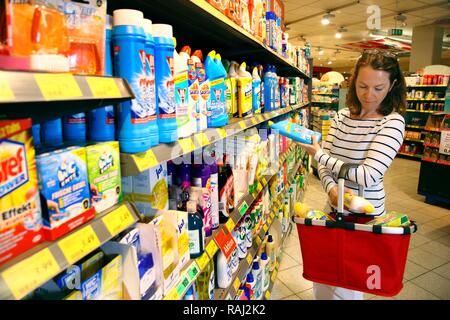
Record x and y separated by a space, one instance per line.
351 255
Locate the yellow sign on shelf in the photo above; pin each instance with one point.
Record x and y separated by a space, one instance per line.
79 244
254 121
118 220
249 259
103 87
222 132
29 274
202 261
145 160
186 144
6 94
212 248
230 224
202 139
236 283
267 295
172 295
242 124
58 86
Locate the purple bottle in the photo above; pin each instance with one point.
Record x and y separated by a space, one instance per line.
183 180
201 177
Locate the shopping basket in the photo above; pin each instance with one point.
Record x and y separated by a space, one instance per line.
353 255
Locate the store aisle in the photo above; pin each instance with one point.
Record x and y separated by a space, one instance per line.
427 274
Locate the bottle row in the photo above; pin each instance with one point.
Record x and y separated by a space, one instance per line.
428 80
427 95
426 106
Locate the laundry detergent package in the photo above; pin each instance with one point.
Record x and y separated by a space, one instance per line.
20 209
103 161
295 131
64 186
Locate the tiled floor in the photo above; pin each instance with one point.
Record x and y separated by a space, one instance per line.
427 273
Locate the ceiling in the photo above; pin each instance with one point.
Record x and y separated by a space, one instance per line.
303 18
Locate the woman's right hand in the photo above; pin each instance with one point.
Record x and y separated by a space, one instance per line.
333 195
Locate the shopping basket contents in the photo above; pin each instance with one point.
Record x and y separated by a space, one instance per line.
357 204
367 257
301 210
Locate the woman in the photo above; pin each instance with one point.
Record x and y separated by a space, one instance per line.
369 132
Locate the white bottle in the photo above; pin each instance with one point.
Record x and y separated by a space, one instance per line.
184 124
250 284
202 103
248 229
242 244
270 251
257 275
234 254
264 261
223 270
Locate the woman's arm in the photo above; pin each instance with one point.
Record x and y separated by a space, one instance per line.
381 153
325 174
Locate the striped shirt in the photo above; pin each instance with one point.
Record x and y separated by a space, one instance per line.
371 143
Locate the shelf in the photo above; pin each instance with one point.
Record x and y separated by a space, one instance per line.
422 111
45 96
441 100
433 129
323 102
201 26
428 86
133 164
441 162
414 140
431 145
414 126
410 155
28 271
325 94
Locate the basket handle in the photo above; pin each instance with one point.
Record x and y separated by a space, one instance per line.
343 172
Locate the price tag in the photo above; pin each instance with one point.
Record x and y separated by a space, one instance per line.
184 284
202 261
145 160
202 139
187 145
265 228
230 224
6 93
29 274
118 220
212 248
193 271
242 124
243 208
258 241
274 275
259 187
236 284
57 86
260 118
103 87
225 241
79 244
249 260
254 121
264 180
172 295
269 222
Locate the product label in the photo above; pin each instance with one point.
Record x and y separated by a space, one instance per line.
182 100
207 218
110 117
226 199
166 89
78 118
214 201
150 95
138 82
195 245
218 102
13 166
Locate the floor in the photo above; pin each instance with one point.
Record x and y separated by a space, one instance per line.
427 273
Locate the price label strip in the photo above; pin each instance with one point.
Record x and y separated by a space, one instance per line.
230 224
222 133
249 260
184 284
242 124
212 248
267 295
274 274
29 274
145 160
236 284
202 261
102 87
254 121
202 139
172 295
6 94
79 244
186 144
243 209
118 220
193 271
57 86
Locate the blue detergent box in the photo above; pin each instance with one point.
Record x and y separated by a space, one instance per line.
64 186
295 132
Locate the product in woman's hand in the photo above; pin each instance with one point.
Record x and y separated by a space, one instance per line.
391 219
303 211
357 204
294 131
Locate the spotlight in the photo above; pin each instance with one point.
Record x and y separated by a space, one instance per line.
340 31
326 18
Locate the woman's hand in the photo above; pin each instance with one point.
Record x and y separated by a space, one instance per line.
333 195
311 148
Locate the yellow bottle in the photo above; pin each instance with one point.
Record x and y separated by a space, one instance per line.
358 204
245 82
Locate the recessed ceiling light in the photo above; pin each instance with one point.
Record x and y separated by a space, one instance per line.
326 18
340 31
320 51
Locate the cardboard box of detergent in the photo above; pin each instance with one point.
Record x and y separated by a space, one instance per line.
20 208
63 183
103 161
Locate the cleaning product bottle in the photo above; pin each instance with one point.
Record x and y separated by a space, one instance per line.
261 96
216 111
184 182
182 95
193 87
250 285
224 273
74 128
52 133
235 254
214 194
101 121
201 177
228 89
195 229
245 91
268 99
256 92
134 128
36 130
232 74
264 261
270 251
358 204
277 100
204 91
165 87
248 226
257 275
223 117
242 244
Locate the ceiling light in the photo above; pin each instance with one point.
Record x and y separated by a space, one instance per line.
320 51
326 18
401 19
329 62
340 31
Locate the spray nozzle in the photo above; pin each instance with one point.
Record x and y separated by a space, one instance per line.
186 49
212 54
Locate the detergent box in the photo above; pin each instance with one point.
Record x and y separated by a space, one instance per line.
103 162
64 186
391 219
20 209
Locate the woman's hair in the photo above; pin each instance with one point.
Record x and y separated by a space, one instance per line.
395 100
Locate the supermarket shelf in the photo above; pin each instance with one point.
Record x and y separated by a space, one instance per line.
45 96
28 271
414 126
325 94
433 129
421 111
423 99
191 271
199 25
442 162
414 140
431 145
410 155
428 86
133 164
323 102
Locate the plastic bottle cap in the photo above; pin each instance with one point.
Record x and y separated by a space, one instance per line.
162 31
264 256
212 54
255 265
128 17
148 26
250 277
109 21
269 238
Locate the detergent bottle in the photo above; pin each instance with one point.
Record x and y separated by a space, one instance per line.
276 89
223 73
52 133
268 92
244 91
182 95
204 91
193 88
165 87
134 129
215 73
232 74
36 131
256 91
228 99
261 77
101 121
74 128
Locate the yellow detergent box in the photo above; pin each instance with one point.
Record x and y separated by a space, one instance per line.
103 162
20 209
391 219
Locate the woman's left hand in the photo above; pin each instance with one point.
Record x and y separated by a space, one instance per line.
311 148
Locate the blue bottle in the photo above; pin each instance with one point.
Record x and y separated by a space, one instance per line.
74 128
36 130
101 121
276 88
134 130
216 74
256 91
52 135
164 82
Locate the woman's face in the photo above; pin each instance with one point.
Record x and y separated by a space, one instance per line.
372 86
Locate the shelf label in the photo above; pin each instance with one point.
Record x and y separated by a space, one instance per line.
267 295
145 160
444 147
258 241
186 144
242 124
230 224
243 208
103 87
118 220
236 284
6 93
265 228
212 248
202 261
184 284
57 86
193 271
274 275
259 188
29 274
172 295
225 241
202 139
79 244
222 132
249 260
254 121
